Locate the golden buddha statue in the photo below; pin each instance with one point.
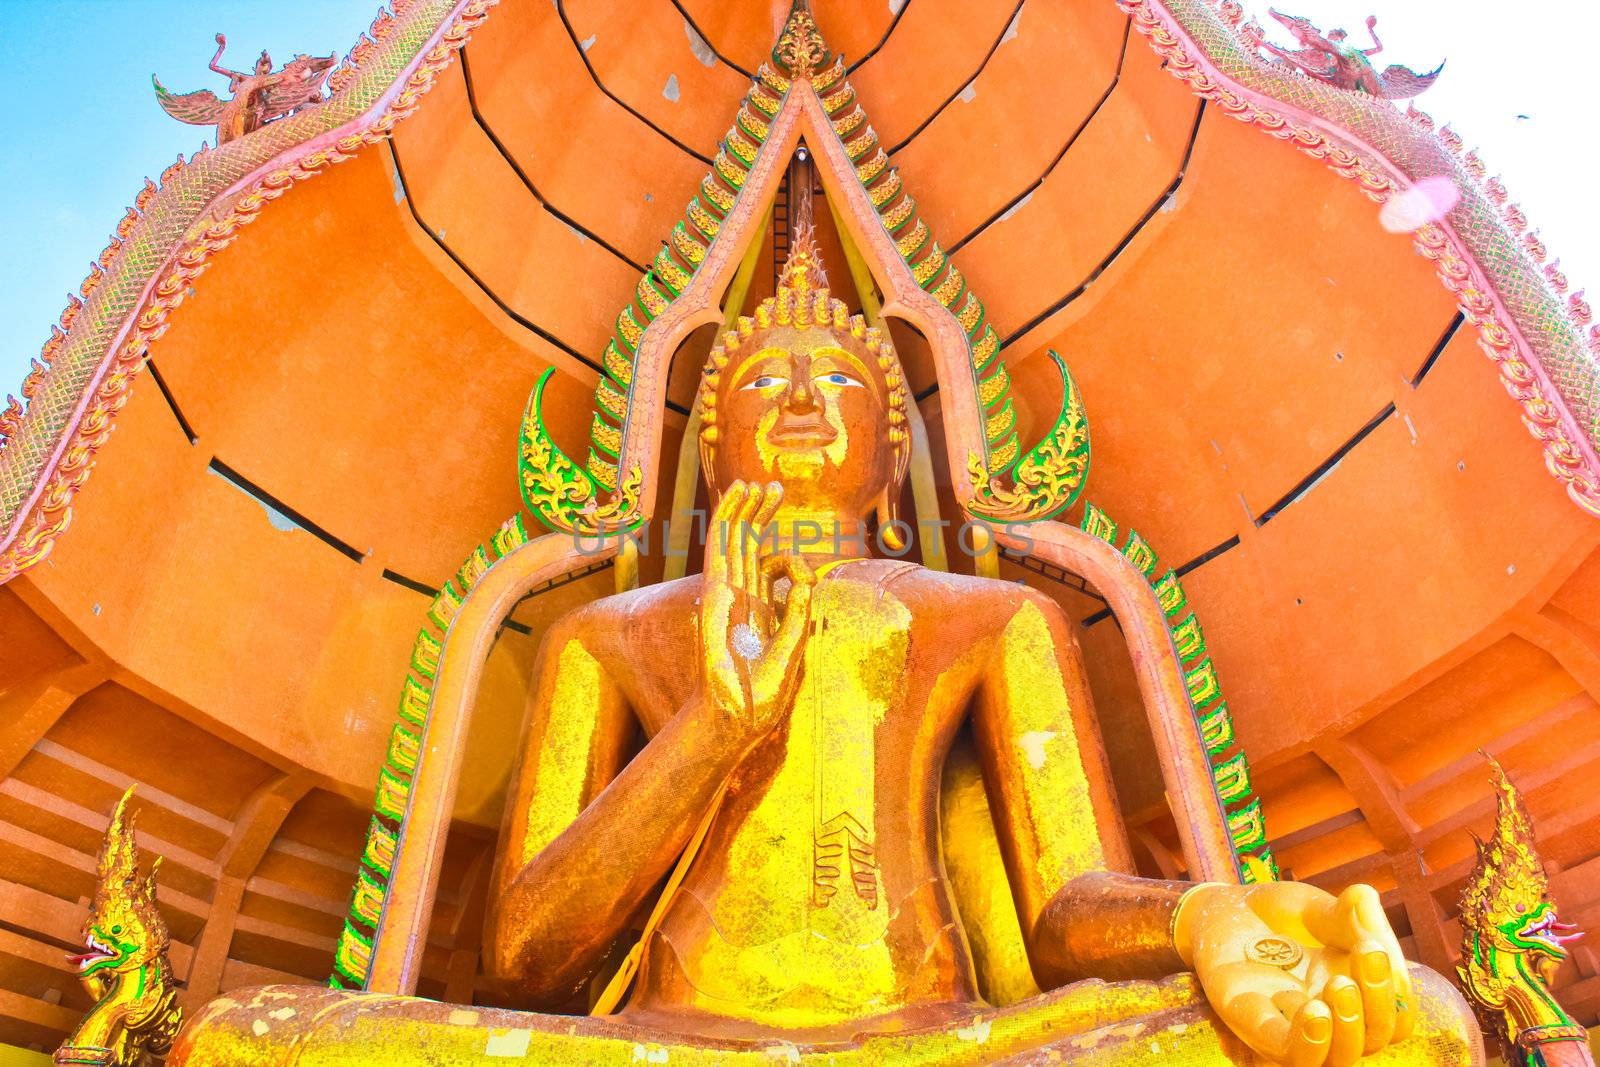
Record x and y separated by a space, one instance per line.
801 701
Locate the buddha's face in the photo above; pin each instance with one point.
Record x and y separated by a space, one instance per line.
806 412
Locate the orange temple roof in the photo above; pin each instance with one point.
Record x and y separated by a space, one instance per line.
1290 405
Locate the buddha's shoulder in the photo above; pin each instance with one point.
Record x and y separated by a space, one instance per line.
911 581
648 599
646 604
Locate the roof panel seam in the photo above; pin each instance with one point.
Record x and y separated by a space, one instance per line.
1016 13
701 34
572 35
505 153
894 22
1116 79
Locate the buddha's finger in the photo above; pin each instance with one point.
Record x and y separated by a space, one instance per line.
1346 921
716 598
1310 1036
796 613
1258 1023
769 508
1375 976
716 568
801 578
744 532
731 500
772 569
773 496
1355 921
764 501
1372 918
1367 907
1349 1026
754 579
738 525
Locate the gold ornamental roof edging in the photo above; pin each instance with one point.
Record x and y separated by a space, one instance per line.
1538 334
165 240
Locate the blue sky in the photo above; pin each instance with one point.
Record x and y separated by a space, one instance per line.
81 127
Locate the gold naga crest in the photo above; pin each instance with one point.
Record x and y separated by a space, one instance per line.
1512 940
124 966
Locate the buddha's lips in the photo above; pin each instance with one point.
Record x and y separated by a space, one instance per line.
802 435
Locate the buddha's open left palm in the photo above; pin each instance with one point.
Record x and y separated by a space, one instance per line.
1302 977
751 659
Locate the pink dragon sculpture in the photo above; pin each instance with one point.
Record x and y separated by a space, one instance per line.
1328 58
258 97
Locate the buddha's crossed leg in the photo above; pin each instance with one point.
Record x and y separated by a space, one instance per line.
1088 1023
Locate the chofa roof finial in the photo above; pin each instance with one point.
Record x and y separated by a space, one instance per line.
800 51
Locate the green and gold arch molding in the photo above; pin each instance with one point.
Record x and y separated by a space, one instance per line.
353 953
1230 768
1050 478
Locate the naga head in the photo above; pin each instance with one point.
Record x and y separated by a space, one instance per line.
1302 29
1512 939
805 393
125 967
124 930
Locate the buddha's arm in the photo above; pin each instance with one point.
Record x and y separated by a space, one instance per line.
1049 790
578 855
1056 815
581 844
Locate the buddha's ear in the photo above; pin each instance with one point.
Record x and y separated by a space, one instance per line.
899 399
706 406
888 512
900 442
708 465
902 460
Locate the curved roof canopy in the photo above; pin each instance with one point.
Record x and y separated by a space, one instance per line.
1287 405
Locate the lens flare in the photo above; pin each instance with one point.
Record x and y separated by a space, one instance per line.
1427 201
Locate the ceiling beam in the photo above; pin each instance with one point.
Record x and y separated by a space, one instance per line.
1378 795
254 827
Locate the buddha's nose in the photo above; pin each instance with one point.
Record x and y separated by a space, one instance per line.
802 396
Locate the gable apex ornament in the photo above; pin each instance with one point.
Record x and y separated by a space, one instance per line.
800 51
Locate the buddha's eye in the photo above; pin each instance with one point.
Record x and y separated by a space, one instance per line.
767 381
838 378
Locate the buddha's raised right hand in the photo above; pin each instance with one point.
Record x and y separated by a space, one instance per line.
750 660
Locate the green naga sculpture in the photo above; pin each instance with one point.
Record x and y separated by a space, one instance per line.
1512 943
125 967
